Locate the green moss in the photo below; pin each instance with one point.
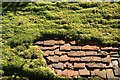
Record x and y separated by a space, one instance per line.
24 23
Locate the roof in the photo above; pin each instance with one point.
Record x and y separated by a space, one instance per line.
69 59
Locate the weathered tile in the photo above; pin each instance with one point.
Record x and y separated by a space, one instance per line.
94 72
57 52
119 62
91 53
117 72
68 65
72 59
95 65
49 42
64 58
85 59
47 53
115 55
53 58
49 47
107 59
102 74
90 47
109 48
79 65
84 72
75 48
76 53
103 54
110 73
109 66
59 42
65 47
96 59
39 43
72 73
65 72
58 65
115 63
58 72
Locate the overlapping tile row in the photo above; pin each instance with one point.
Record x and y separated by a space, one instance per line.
71 59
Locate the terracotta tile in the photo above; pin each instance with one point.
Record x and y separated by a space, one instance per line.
96 59
102 54
102 74
107 59
65 47
119 62
68 65
110 73
77 59
72 59
47 53
84 72
58 72
79 65
49 42
59 42
117 71
76 53
49 47
65 72
85 59
58 65
94 72
57 52
91 53
95 65
64 58
39 43
75 48
115 63
89 47
109 66
72 73
53 58
109 48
